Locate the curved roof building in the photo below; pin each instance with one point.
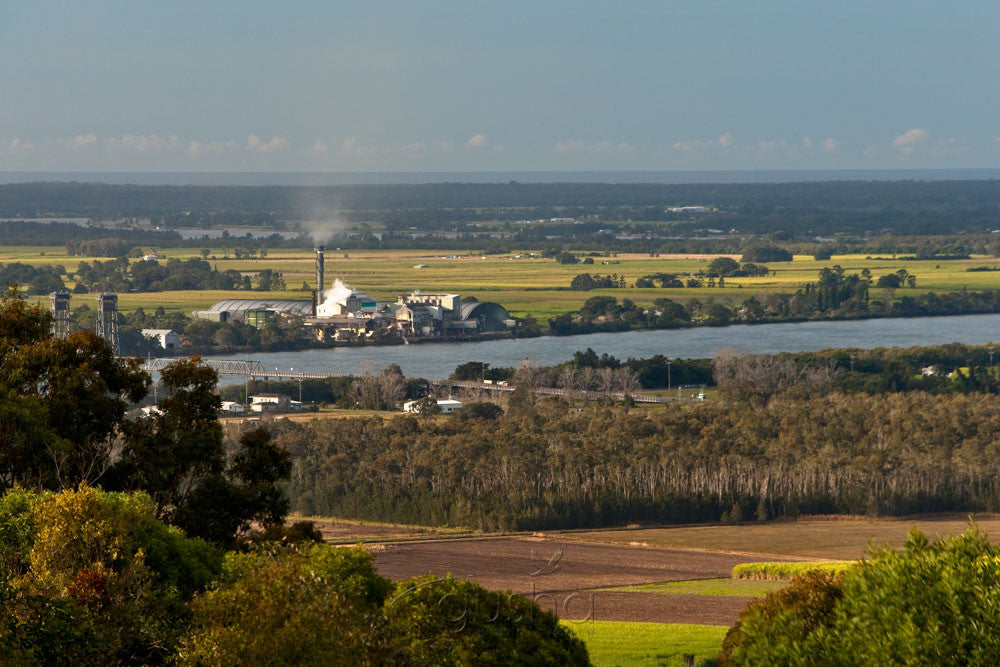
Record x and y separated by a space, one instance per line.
491 315
236 307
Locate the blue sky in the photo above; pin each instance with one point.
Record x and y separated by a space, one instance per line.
433 85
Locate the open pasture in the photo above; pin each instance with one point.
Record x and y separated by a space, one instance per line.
535 286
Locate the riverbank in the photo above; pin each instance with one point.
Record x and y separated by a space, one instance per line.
692 343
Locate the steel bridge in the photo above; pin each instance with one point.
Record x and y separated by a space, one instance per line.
247 368
253 369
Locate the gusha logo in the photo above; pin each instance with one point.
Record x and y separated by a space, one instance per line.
459 606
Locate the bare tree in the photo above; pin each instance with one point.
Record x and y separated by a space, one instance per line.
627 380
567 378
748 376
392 387
606 380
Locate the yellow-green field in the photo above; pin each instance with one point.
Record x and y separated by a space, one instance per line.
537 287
756 588
619 643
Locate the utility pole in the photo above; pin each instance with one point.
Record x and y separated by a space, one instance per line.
668 374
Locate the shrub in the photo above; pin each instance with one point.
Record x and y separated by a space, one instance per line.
316 605
455 622
103 581
766 253
931 603
787 570
773 630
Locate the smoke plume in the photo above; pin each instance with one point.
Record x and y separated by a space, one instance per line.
336 294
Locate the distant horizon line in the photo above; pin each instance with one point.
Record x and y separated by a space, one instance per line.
632 176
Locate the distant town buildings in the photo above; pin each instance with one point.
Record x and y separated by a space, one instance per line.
168 339
447 406
343 313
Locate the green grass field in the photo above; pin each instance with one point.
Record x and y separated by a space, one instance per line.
525 286
756 588
635 644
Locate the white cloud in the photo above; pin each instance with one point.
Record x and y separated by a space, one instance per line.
725 140
351 146
254 143
606 146
317 148
830 144
212 146
84 140
16 145
907 141
416 148
476 141
807 142
143 143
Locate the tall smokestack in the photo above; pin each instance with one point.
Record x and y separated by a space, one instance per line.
319 268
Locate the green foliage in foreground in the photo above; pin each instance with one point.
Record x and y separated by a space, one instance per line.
738 587
931 603
787 570
622 643
88 577
92 577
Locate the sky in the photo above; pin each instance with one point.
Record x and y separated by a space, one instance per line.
469 85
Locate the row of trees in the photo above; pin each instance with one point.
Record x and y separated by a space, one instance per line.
834 296
120 275
542 466
38 280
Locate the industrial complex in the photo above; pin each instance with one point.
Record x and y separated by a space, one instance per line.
341 313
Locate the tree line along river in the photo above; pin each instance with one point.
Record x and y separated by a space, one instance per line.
438 360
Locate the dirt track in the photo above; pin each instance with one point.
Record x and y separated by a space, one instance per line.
562 574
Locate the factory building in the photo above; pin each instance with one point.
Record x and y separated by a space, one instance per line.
347 314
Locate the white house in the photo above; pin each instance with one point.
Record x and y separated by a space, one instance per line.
447 406
169 340
151 257
232 406
270 403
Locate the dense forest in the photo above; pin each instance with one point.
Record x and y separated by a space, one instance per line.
546 467
789 209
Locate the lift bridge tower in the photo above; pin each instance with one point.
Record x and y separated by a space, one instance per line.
107 319
60 314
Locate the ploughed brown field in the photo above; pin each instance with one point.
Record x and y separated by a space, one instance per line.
562 575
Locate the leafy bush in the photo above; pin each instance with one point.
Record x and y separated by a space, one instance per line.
455 622
102 582
931 603
316 605
326 605
766 253
771 631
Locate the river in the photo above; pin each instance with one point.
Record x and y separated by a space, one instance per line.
438 360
